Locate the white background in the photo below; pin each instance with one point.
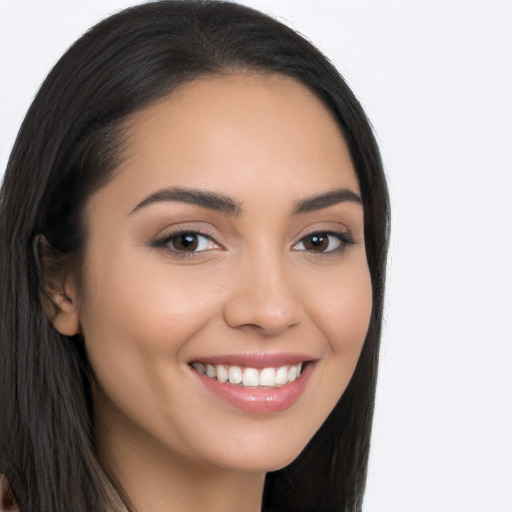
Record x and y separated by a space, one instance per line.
435 78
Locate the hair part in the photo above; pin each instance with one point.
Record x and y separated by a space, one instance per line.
68 147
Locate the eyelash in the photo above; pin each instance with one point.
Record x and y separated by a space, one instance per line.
343 237
164 242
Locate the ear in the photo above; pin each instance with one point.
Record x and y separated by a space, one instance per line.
58 288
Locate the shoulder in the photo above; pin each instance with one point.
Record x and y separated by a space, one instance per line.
7 501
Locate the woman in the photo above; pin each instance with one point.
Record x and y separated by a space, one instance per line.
194 223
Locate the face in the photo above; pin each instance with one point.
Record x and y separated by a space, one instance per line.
225 292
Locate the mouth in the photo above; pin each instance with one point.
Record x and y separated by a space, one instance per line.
249 377
256 384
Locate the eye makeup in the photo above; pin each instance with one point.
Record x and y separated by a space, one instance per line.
185 243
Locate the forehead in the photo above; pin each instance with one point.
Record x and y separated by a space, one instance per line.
242 134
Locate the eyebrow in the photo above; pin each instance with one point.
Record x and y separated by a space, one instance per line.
326 199
205 199
222 203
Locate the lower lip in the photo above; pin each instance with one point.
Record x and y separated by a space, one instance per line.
259 400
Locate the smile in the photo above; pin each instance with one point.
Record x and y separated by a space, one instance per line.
269 377
256 383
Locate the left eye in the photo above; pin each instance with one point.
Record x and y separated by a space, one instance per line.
322 242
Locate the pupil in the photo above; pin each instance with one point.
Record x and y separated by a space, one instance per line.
187 241
317 242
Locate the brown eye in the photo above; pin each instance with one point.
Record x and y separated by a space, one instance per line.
323 242
185 242
316 242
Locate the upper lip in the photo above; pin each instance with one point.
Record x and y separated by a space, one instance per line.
256 360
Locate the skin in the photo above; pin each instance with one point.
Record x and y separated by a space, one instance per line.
146 312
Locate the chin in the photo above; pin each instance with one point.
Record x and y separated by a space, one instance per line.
259 456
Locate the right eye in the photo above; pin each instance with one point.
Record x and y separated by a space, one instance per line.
185 242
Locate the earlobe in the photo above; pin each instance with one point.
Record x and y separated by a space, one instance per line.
65 318
58 290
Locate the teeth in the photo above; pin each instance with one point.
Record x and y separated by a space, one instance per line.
267 377
199 367
222 374
250 377
211 371
235 374
282 375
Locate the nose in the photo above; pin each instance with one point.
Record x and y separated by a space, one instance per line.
264 297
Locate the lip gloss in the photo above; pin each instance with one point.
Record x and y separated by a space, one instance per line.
259 400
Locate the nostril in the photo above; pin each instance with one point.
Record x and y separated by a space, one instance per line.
269 315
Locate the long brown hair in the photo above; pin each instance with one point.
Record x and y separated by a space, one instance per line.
66 149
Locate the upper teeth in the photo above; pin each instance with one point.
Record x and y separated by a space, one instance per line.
250 377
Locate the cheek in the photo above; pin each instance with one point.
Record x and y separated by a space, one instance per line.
344 307
343 314
146 306
136 325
